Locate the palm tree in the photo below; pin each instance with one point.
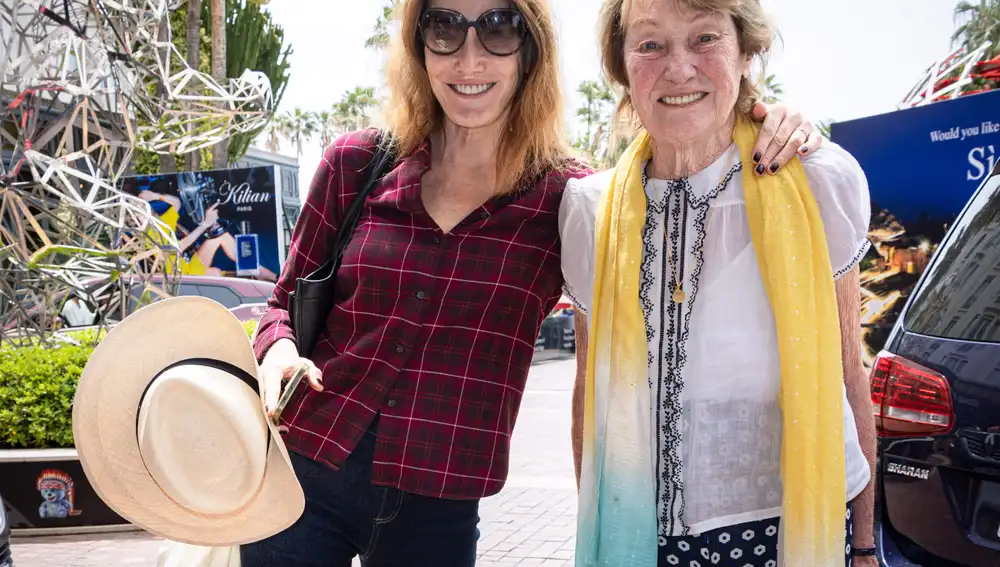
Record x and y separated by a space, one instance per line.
824 128
193 56
380 35
979 23
299 127
595 112
220 153
328 126
771 90
276 128
352 110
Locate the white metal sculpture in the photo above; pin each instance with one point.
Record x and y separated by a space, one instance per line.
82 84
947 78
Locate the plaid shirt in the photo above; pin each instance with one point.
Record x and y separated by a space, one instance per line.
434 331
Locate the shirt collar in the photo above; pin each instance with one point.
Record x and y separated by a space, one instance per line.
701 183
406 178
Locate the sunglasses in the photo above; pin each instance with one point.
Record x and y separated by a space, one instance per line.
500 31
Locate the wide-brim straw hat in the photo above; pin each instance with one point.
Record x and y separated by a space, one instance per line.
171 430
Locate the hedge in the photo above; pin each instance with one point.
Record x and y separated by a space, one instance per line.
37 385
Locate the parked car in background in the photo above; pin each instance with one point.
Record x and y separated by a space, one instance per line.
241 296
557 331
231 292
936 396
6 560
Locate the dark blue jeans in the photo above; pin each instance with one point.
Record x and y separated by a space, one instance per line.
346 517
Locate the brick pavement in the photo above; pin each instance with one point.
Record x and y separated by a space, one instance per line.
531 523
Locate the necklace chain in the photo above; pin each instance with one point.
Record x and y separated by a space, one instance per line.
678 296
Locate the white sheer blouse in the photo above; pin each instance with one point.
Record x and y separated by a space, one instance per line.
713 363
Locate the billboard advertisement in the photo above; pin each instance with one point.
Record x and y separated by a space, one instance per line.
228 222
923 165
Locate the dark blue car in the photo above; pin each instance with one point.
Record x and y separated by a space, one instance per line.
5 558
936 396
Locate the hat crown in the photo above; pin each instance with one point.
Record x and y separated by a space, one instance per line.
203 438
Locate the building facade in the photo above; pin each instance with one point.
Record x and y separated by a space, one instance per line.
291 202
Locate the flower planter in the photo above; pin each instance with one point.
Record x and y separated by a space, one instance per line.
46 493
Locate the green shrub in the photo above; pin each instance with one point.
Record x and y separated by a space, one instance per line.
37 385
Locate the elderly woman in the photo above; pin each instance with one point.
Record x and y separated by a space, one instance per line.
418 377
723 411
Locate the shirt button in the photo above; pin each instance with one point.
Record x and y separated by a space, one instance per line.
437 239
484 215
392 403
421 295
400 349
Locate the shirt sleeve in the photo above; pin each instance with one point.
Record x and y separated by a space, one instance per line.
577 220
841 190
313 235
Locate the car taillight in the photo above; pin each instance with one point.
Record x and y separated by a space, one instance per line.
909 399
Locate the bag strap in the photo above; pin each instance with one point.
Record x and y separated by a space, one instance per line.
383 158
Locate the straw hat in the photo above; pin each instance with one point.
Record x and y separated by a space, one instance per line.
171 431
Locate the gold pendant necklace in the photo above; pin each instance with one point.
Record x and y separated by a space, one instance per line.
678 296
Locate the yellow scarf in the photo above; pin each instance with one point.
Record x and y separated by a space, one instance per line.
617 522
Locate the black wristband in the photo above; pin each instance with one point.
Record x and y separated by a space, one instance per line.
863 551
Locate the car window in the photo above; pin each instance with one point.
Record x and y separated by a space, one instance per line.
961 297
188 289
223 295
264 288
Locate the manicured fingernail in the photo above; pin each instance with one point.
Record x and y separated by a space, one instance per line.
803 150
774 167
759 169
756 157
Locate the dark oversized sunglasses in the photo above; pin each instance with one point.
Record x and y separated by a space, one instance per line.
501 31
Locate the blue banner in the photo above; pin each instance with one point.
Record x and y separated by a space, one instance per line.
926 160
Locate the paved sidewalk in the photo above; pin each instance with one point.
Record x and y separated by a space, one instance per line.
531 523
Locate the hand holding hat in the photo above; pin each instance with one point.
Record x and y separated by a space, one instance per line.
171 429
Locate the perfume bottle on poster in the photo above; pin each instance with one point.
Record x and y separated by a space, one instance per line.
247 251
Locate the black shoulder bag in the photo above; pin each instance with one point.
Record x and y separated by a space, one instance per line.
310 303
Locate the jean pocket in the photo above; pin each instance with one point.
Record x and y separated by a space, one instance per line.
392 503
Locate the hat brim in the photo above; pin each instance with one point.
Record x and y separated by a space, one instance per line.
104 424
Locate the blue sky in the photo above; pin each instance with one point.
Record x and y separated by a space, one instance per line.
837 59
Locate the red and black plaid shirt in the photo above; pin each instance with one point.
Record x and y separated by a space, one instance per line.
435 331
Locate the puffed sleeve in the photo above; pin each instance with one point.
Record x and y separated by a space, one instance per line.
577 217
841 191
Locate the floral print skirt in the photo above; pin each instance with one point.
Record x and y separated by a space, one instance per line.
753 544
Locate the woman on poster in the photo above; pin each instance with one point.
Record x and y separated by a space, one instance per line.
198 246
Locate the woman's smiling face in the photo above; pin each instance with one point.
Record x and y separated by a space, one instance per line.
684 68
474 87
